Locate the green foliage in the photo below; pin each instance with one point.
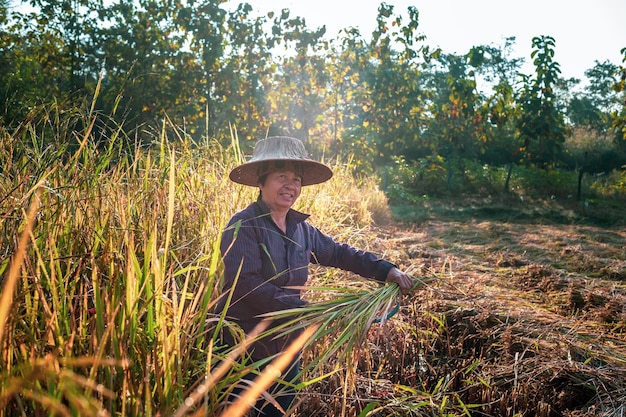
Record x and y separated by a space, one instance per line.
619 116
233 88
583 112
548 183
210 69
382 97
541 125
483 180
592 111
412 183
601 89
428 177
149 69
612 185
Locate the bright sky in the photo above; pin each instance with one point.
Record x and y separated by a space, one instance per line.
585 31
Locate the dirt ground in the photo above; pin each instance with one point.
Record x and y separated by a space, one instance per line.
521 317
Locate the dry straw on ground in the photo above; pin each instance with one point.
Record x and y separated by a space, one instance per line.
519 319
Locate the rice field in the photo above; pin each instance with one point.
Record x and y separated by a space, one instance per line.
110 270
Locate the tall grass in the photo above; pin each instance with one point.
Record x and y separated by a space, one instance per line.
110 278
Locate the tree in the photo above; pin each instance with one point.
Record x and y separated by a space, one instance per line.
45 50
457 123
348 63
602 78
502 146
541 125
297 98
386 113
148 69
619 115
589 148
205 27
591 110
244 75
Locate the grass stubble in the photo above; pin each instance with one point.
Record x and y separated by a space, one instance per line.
110 271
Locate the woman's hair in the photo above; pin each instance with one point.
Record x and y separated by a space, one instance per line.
262 180
272 166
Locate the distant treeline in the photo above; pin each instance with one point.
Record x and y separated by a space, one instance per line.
377 98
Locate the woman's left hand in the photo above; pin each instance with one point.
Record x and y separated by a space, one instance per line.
402 279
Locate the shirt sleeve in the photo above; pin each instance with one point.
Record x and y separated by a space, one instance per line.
327 252
241 253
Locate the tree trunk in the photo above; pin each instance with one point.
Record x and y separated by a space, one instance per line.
581 173
507 183
449 181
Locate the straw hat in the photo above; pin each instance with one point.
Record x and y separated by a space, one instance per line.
271 154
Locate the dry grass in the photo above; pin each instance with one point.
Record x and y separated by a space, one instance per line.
107 305
521 319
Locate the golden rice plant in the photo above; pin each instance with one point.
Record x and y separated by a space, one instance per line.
110 278
112 283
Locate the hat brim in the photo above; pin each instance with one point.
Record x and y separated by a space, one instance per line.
248 173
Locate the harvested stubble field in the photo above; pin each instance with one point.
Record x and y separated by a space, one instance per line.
523 316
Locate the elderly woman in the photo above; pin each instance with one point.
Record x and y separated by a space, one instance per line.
268 246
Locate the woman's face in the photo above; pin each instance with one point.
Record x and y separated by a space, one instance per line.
281 189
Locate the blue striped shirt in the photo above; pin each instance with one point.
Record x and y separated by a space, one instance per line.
265 262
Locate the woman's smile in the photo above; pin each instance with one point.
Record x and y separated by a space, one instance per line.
281 189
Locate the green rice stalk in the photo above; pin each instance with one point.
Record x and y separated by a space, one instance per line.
347 316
